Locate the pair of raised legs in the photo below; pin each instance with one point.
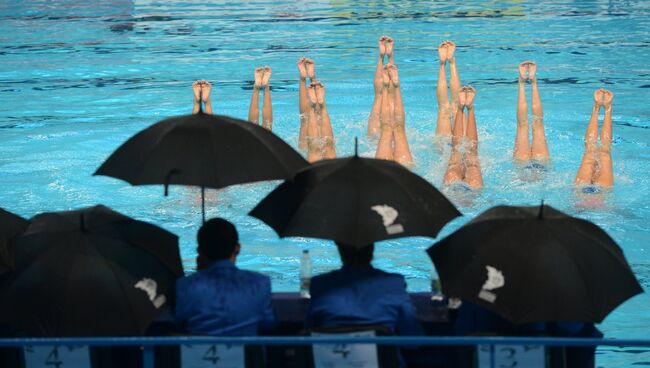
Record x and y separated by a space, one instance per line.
464 165
446 110
316 134
262 78
306 69
385 51
596 166
525 151
387 114
201 89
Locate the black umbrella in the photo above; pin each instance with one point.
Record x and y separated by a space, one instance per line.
11 225
532 264
209 151
90 272
356 201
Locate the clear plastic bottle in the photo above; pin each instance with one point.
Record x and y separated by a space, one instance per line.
436 290
305 274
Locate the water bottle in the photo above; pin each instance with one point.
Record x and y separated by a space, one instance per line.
436 290
305 274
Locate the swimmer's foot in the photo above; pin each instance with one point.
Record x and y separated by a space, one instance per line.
206 88
310 66
608 97
259 73
266 76
320 92
523 70
382 46
462 98
392 74
598 97
442 52
302 69
451 49
311 95
196 88
532 71
389 43
470 93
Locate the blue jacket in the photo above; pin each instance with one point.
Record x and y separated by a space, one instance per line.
224 300
361 296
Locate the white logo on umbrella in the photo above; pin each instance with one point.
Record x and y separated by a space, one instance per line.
150 287
388 216
495 280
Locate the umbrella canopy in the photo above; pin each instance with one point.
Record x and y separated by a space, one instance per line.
210 151
89 272
533 264
11 225
356 201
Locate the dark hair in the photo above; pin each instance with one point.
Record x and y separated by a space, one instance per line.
217 239
354 256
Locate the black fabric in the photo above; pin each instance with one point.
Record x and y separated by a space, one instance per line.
341 200
203 150
11 225
554 267
76 274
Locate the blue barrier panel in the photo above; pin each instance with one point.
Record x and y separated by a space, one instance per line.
148 343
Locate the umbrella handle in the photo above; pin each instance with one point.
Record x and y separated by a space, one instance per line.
167 179
203 203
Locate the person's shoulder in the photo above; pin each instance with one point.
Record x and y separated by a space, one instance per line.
324 277
252 275
186 280
396 277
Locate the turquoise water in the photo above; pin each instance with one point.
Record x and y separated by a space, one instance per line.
77 79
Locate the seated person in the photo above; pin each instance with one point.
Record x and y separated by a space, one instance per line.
473 319
221 299
359 294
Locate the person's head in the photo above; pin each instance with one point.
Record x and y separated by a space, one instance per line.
218 240
353 256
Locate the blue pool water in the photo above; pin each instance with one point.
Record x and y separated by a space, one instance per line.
77 79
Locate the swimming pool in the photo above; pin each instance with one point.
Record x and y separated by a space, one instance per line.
76 80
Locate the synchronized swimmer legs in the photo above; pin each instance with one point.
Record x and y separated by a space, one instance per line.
262 77
385 48
201 89
523 151
596 166
327 134
389 108
305 68
385 144
319 134
446 110
464 163
401 153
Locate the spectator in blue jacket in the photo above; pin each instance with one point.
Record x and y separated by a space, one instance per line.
221 299
359 294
